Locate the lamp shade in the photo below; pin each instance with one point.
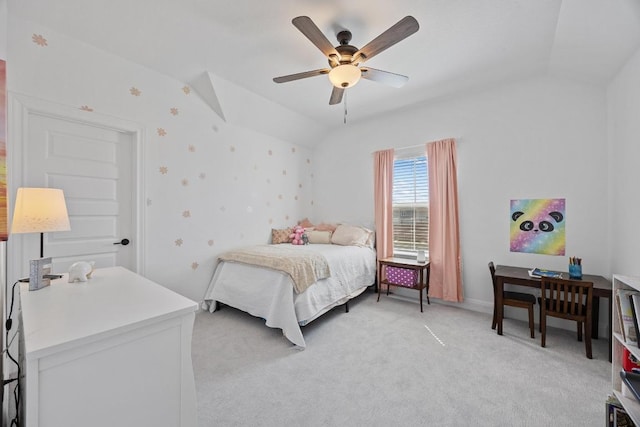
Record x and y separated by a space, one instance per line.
344 76
40 210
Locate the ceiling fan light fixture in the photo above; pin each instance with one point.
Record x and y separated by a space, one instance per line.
344 76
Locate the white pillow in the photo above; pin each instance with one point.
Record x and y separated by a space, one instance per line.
350 235
319 236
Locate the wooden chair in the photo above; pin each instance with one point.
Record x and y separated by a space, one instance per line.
512 299
567 299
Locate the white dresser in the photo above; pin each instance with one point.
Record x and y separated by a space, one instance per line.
113 351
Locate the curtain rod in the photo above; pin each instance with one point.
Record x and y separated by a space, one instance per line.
414 146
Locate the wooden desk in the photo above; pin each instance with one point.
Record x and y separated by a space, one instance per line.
520 276
418 283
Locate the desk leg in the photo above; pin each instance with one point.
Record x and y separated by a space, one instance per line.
498 299
595 317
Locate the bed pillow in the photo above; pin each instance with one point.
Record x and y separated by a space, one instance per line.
350 235
371 241
316 236
305 223
326 227
280 235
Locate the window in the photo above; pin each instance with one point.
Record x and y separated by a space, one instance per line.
410 205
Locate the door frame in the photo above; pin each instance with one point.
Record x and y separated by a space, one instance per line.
20 107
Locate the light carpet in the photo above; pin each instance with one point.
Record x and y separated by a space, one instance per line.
385 363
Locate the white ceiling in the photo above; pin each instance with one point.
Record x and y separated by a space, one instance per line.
461 44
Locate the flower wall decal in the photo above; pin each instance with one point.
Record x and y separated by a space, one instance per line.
86 108
39 40
162 132
135 91
186 90
174 111
164 170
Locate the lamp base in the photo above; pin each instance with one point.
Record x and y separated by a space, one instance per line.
38 270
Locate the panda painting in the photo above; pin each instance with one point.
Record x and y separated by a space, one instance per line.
538 226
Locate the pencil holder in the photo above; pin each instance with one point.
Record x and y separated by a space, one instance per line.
575 271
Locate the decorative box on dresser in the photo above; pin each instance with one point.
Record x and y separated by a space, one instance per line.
625 396
112 351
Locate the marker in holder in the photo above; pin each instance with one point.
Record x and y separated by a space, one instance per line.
575 268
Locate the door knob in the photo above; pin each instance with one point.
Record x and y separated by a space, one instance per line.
123 242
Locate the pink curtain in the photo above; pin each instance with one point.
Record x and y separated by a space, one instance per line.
382 197
445 281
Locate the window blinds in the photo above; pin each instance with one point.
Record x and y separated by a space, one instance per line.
410 205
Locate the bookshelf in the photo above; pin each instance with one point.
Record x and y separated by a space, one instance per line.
625 396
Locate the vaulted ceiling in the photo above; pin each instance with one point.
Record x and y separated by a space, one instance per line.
461 45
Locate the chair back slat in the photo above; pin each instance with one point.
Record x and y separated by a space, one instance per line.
569 299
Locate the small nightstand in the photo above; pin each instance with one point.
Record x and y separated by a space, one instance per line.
405 273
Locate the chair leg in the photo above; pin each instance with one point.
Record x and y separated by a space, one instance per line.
580 331
532 325
587 339
495 317
540 314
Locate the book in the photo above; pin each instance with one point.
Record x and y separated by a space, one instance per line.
634 299
626 311
540 272
620 322
618 417
632 380
629 362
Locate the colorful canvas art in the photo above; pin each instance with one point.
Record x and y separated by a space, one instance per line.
538 226
4 233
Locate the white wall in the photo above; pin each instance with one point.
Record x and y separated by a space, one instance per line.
623 97
239 182
541 138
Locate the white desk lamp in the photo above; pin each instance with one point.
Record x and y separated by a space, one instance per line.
39 210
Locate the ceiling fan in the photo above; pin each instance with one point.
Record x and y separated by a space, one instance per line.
345 61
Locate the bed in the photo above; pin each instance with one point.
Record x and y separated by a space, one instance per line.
271 294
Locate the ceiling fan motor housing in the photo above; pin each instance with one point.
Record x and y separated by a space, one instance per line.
344 73
344 49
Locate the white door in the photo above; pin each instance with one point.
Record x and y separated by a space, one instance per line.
94 166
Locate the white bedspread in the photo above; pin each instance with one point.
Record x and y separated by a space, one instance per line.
269 293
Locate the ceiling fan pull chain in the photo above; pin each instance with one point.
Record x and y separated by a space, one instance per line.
345 107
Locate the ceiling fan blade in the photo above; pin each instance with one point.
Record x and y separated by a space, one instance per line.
303 75
396 33
336 95
313 33
385 77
